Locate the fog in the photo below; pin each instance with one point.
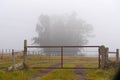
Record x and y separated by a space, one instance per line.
18 19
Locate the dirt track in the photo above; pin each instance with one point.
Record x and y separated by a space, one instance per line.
80 72
43 72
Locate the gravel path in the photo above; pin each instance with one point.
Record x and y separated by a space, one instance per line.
80 72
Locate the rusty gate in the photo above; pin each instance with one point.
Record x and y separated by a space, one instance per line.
62 57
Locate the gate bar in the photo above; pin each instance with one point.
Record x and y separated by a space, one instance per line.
62 68
59 46
99 58
61 57
112 52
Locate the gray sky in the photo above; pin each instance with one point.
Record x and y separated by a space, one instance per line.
18 19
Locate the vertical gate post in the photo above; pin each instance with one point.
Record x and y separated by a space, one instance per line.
13 56
25 54
61 56
99 58
117 55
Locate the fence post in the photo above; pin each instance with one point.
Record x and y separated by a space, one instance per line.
2 54
25 54
117 55
9 52
6 51
13 56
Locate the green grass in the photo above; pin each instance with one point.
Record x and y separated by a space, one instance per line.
16 75
91 74
100 74
8 61
61 74
57 74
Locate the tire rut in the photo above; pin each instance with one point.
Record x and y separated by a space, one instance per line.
80 72
44 71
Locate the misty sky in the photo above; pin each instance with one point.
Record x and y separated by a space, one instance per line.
18 19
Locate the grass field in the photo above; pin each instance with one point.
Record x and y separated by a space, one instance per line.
44 61
8 61
56 74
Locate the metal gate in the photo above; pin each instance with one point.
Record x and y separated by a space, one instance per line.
62 57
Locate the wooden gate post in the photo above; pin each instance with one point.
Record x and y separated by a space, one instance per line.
25 54
99 58
13 56
117 55
61 57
